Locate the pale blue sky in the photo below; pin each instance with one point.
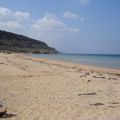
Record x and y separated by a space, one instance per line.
72 26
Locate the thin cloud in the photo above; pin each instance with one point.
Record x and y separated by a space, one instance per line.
22 15
71 15
8 15
82 19
83 1
52 23
13 21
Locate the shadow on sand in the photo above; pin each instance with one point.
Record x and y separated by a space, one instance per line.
8 116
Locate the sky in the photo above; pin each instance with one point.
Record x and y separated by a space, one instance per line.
70 26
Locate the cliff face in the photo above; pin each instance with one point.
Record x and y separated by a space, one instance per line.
14 43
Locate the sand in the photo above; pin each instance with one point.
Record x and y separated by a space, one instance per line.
41 89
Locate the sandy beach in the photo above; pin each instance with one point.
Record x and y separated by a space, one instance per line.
41 89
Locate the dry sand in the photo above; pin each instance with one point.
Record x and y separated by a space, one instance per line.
41 89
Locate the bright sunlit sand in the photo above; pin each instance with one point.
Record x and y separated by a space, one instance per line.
42 89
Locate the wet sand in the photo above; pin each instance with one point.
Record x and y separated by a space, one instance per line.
41 89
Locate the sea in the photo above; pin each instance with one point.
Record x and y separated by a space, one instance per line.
100 60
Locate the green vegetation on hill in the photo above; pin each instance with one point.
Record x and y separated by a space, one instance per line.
14 43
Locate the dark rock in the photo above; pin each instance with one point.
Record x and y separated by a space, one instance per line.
99 77
2 111
97 104
89 80
112 78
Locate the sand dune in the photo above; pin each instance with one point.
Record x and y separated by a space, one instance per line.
41 89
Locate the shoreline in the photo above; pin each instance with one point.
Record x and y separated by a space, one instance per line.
78 63
68 63
37 89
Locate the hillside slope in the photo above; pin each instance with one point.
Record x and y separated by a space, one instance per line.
11 42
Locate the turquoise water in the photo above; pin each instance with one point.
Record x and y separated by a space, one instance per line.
108 61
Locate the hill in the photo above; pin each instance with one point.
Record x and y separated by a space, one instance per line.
14 43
